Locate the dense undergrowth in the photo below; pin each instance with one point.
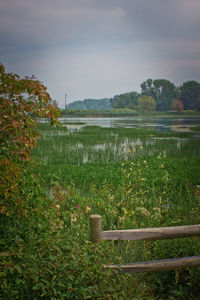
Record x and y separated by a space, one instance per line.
133 179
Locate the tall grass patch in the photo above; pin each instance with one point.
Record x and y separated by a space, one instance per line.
133 179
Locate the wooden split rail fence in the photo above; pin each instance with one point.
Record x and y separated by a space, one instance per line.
96 235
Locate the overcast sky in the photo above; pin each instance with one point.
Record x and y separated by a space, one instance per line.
100 48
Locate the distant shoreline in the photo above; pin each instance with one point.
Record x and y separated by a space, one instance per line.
127 113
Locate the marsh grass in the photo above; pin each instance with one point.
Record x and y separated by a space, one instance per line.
133 179
94 153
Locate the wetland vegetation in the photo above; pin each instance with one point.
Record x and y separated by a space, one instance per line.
133 178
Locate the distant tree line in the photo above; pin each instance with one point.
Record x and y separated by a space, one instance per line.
122 112
94 104
160 95
155 95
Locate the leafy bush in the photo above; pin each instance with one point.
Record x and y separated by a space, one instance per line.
44 247
19 133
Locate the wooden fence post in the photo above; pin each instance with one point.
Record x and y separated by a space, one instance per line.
95 228
96 235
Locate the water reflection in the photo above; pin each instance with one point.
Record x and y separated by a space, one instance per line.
160 124
128 148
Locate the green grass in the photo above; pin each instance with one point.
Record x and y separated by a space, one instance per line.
95 154
94 158
134 179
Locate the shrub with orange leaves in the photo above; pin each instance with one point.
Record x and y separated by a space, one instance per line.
21 101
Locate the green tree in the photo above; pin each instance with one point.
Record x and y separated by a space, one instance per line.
197 103
19 133
190 94
146 104
162 90
126 100
147 88
88 104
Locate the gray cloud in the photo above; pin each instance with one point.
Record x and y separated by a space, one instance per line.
95 48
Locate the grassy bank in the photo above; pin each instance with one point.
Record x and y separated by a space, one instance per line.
134 179
125 112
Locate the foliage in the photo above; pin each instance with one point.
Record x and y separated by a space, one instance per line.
47 257
98 113
162 90
132 184
49 254
126 100
190 95
19 133
95 104
146 104
119 173
197 103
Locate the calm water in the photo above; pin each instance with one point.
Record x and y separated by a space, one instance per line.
122 146
161 124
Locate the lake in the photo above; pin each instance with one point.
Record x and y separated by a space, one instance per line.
161 124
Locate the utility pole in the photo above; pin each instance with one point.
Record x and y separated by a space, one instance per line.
65 101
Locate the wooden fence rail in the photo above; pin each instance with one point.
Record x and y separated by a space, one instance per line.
96 235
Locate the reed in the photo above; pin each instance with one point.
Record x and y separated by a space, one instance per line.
132 178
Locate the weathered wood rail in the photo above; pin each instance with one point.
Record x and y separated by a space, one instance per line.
96 235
